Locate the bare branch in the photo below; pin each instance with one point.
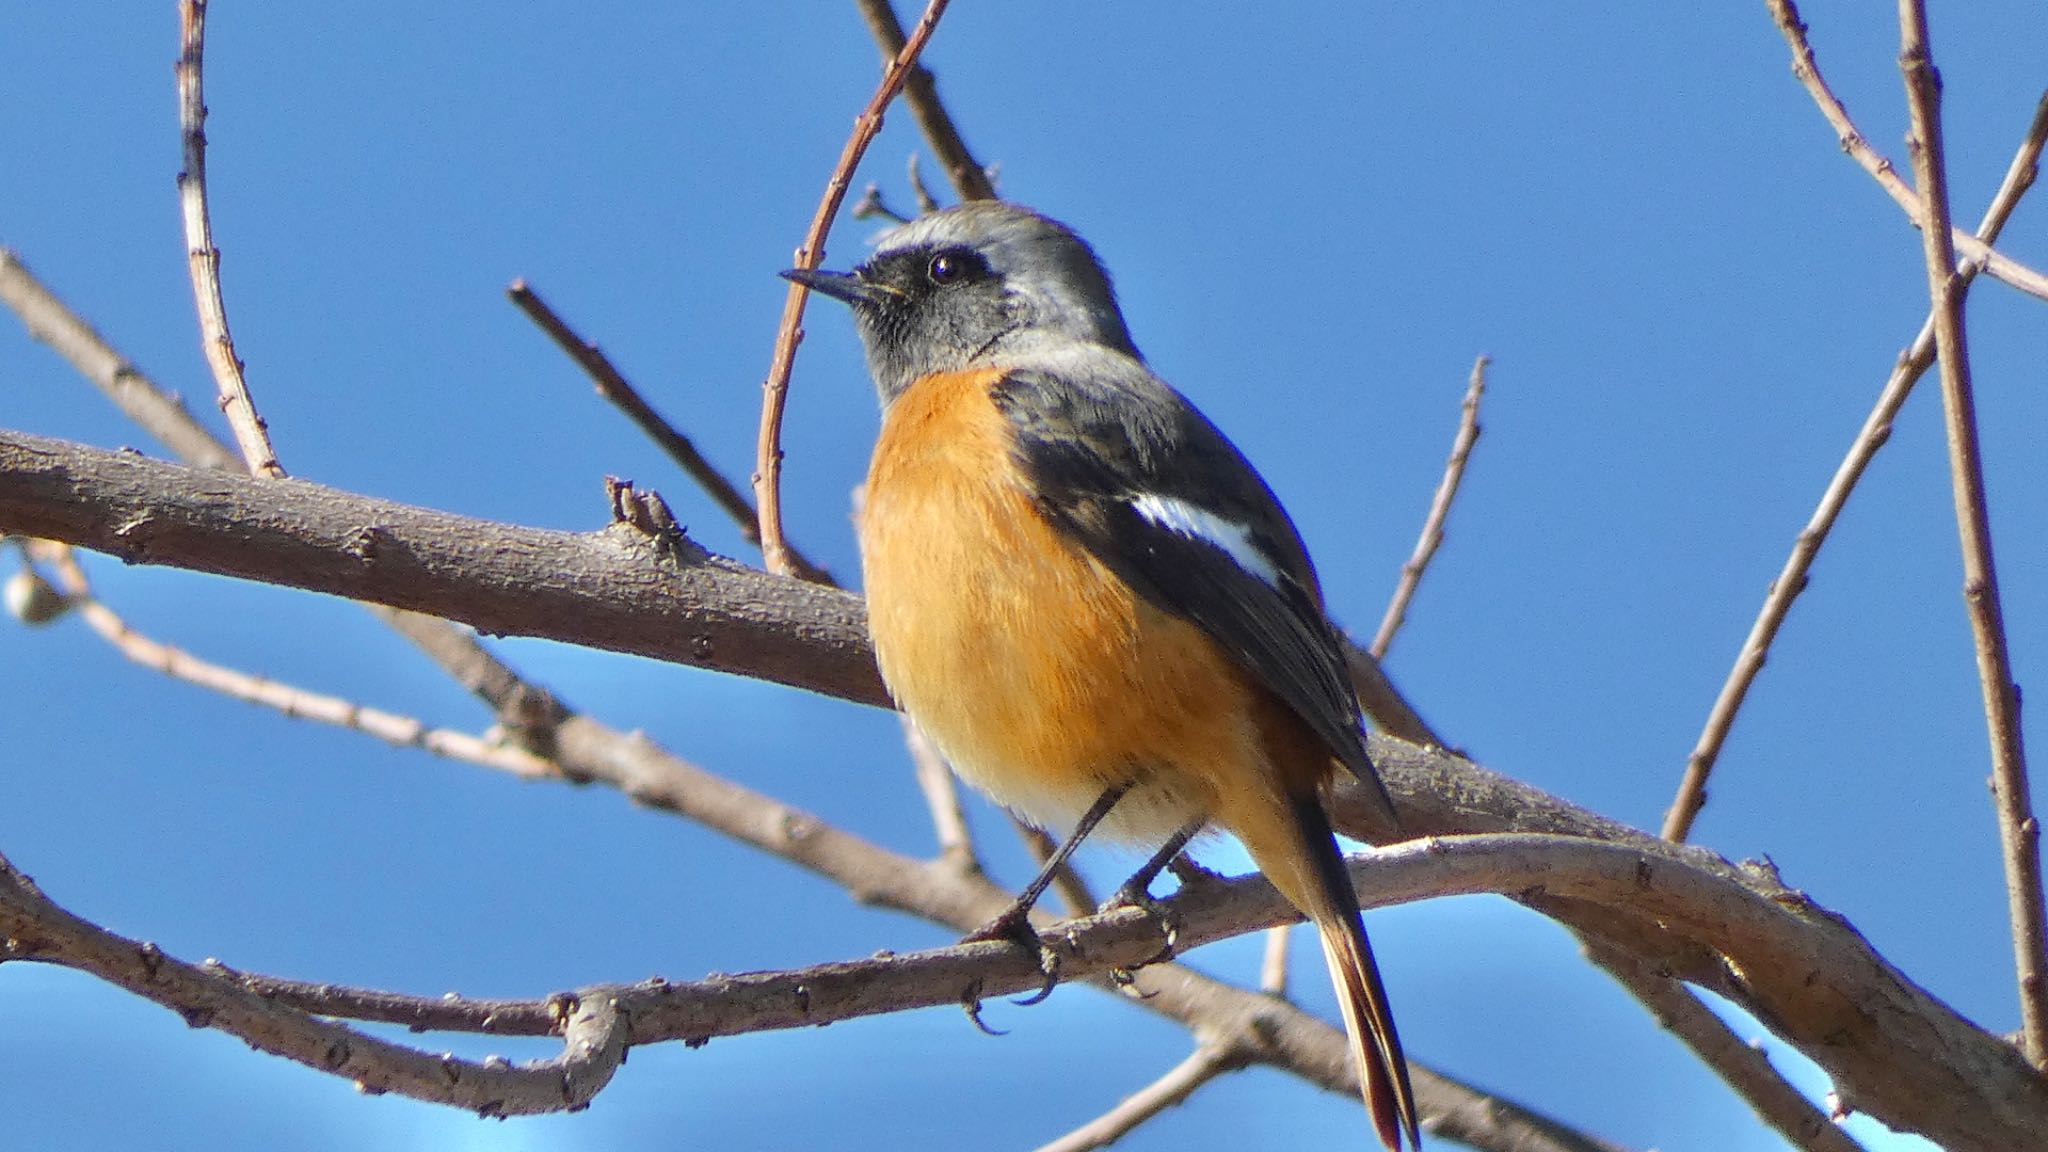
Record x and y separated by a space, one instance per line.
941 796
1382 702
204 258
1903 1056
51 322
1877 428
775 392
1432 536
517 702
1939 1076
1204 1064
1799 995
2018 832
1746 1068
872 205
614 387
921 93
404 731
1273 962
595 1035
926 202
2000 266
678 603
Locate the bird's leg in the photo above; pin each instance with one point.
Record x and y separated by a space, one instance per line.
1136 893
1014 924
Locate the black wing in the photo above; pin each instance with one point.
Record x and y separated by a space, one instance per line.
1096 443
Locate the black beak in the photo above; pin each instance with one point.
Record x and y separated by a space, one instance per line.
838 285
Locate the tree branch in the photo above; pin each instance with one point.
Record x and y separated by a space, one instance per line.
1877 428
2000 266
160 413
204 259
921 93
2018 832
613 386
617 589
1745 1067
1432 536
1170 1090
595 1035
1942 1077
300 703
1892 1049
775 392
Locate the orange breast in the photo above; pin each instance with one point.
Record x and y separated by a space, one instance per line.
1037 671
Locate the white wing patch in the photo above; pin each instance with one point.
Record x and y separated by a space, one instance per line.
1196 522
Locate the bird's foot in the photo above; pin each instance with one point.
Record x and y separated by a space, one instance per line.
1134 895
1014 926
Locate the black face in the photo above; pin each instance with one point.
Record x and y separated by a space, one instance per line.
932 309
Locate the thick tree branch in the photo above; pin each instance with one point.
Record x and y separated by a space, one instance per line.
1945 1078
616 589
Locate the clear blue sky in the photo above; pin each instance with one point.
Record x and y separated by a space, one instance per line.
1316 220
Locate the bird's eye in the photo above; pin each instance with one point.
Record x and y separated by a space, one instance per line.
951 267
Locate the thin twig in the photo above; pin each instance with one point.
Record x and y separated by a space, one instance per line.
50 321
934 779
390 727
2019 832
1877 428
204 259
926 202
941 797
1432 536
517 702
1997 264
871 205
1204 1064
614 387
775 391
1273 963
1744 1067
921 92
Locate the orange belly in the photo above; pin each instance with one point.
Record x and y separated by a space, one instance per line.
1038 673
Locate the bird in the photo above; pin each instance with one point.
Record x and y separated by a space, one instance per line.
1086 596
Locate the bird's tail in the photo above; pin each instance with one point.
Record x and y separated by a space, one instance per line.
1310 872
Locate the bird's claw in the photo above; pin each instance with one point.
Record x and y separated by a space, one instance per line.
1167 920
1014 927
970 1002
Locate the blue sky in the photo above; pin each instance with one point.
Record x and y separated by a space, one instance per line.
1316 222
